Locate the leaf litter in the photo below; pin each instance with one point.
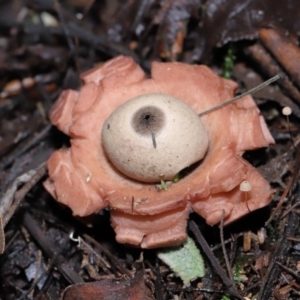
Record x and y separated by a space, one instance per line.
87 32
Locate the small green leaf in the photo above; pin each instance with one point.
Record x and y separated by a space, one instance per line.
186 261
225 297
176 178
164 185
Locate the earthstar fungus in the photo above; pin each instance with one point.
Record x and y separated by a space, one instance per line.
84 178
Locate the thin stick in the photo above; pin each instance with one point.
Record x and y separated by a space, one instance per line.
20 194
24 147
230 240
288 270
224 248
251 91
286 191
2 236
290 209
213 260
292 140
291 180
50 248
110 256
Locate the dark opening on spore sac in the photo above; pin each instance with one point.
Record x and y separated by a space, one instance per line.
148 120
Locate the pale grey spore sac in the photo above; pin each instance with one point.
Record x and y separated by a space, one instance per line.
152 137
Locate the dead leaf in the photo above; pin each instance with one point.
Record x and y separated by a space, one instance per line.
232 20
110 289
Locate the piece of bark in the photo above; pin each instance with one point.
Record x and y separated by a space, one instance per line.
284 50
271 68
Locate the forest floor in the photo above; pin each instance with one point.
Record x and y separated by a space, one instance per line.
44 46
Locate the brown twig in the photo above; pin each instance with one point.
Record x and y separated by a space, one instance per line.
193 289
280 254
50 249
224 248
19 195
288 270
12 198
270 67
216 247
111 257
65 29
7 160
290 209
233 248
157 282
285 50
97 41
293 239
2 236
213 260
287 189
85 247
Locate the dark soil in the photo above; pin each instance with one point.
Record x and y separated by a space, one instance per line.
44 46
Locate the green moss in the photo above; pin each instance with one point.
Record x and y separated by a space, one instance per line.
228 62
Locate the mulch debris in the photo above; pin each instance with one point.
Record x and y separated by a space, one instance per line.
46 253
